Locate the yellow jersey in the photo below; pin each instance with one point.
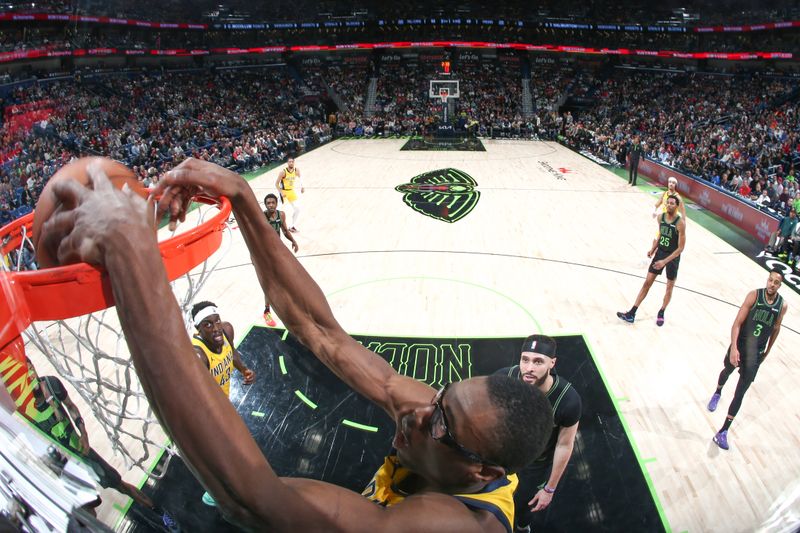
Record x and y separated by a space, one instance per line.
219 364
289 177
288 183
497 497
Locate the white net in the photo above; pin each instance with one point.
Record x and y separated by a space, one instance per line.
90 352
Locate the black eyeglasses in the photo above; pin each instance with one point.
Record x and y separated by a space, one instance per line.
440 431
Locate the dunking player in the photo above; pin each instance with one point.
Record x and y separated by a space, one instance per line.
51 400
661 204
667 247
754 331
454 451
277 220
538 481
214 346
287 184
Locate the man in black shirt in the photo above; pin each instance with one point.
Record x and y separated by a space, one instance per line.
635 152
538 481
753 333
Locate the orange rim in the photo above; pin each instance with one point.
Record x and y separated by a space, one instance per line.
74 290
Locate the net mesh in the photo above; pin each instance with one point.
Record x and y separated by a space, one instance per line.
90 352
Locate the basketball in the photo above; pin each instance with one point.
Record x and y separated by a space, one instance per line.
118 173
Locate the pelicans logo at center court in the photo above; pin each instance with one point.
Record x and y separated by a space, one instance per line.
446 194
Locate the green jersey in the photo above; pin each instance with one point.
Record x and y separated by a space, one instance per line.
277 223
668 234
760 322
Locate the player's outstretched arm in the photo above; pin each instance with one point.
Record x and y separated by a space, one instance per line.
110 228
293 294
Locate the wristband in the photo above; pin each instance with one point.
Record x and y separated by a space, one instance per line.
79 421
548 490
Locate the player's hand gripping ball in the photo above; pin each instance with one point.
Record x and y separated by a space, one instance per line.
79 170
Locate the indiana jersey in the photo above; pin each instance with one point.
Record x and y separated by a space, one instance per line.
668 234
760 322
497 497
219 364
289 178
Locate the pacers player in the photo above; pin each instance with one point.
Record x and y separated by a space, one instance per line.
661 204
214 346
287 184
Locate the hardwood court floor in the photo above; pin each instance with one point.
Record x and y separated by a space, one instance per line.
555 244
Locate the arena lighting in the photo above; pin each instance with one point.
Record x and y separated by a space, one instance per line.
21 55
557 23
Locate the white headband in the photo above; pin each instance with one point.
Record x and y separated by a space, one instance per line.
205 313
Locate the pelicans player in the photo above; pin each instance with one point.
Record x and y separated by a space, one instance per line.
287 184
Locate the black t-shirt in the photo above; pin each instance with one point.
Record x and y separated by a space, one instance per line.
566 404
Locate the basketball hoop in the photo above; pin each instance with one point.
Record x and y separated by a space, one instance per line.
444 94
67 313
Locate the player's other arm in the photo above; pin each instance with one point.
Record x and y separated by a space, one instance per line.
344 510
293 294
248 375
287 233
654 246
278 184
75 414
741 316
561 456
776 329
656 209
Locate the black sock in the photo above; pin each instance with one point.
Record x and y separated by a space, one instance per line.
661 313
727 424
632 312
719 389
266 309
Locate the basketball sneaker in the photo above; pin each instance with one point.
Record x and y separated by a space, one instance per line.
169 523
209 500
660 318
721 439
627 316
712 403
269 320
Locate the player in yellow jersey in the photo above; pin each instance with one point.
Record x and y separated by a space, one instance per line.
288 183
661 204
455 451
214 346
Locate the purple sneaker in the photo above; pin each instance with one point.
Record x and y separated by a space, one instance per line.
712 403
721 439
